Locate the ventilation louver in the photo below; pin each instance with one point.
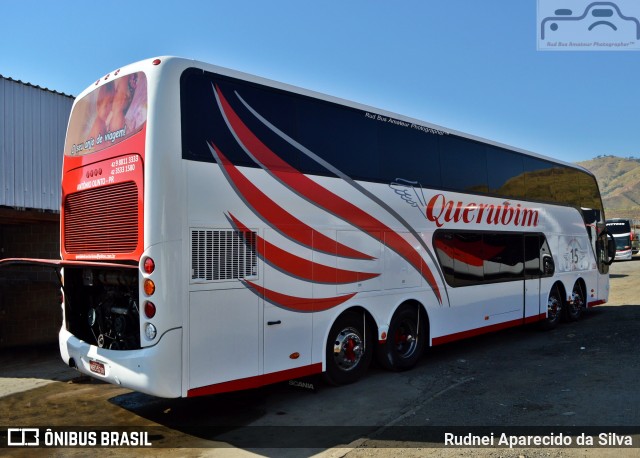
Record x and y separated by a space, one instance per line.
222 255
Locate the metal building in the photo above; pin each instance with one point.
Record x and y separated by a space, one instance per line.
33 122
32 130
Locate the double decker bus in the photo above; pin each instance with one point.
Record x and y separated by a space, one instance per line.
220 231
622 234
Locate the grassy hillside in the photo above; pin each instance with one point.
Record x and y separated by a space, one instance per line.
619 181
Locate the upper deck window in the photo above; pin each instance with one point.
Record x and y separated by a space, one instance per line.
107 115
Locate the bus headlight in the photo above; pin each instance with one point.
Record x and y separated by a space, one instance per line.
150 331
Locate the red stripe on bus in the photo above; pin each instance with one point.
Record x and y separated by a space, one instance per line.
257 381
595 303
326 199
299 304
535 318
486 329
282 220
301 267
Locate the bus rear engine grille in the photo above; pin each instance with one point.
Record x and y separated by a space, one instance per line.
102 220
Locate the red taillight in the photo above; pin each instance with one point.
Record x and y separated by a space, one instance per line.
149 265
150 309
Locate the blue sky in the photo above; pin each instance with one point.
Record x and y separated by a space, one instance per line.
463 64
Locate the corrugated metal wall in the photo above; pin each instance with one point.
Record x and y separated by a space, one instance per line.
33 122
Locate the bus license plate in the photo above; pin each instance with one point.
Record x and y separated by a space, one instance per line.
96 367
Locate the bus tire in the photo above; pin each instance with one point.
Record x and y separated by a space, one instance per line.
349 349
573 311
554 309
406 339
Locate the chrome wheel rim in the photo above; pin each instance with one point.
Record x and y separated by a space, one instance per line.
348 349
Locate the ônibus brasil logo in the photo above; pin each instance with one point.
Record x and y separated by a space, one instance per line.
441 210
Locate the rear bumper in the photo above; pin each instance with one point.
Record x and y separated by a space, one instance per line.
153 370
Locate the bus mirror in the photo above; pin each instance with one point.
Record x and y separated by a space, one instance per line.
548 266
611 249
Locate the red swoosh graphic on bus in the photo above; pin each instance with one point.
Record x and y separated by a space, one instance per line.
300 267
299 304
324 198
282 220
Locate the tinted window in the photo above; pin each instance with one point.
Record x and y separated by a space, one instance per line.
343 137
461 256
445 247
463 164
505 172
476 257
565 186
589 193
503 257
538 179
468 261
537 256
365 146
410 154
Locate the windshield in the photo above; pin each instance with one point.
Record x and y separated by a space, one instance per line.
107 115
623 243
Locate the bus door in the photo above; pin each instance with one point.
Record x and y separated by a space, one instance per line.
532 274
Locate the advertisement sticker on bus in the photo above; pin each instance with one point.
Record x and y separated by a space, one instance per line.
108 115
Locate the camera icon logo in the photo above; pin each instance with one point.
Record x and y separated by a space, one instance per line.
23 437
583 25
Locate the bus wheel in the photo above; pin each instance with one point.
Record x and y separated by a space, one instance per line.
406 339
573 311
554 309
349 349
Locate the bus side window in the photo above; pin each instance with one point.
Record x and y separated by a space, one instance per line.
538 259
548 265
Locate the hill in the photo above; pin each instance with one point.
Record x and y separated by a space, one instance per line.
619 181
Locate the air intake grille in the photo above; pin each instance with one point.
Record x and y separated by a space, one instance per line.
223 255
102 220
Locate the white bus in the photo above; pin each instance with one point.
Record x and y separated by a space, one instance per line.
221 231
623 235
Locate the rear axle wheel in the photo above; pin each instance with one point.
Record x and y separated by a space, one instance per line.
406 339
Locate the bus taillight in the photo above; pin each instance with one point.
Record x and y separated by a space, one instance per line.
150 309
149 266
149 287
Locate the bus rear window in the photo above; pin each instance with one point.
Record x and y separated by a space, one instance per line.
107 115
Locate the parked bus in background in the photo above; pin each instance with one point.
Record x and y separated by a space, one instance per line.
623 236
221 231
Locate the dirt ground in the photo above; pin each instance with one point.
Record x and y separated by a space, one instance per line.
581 375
